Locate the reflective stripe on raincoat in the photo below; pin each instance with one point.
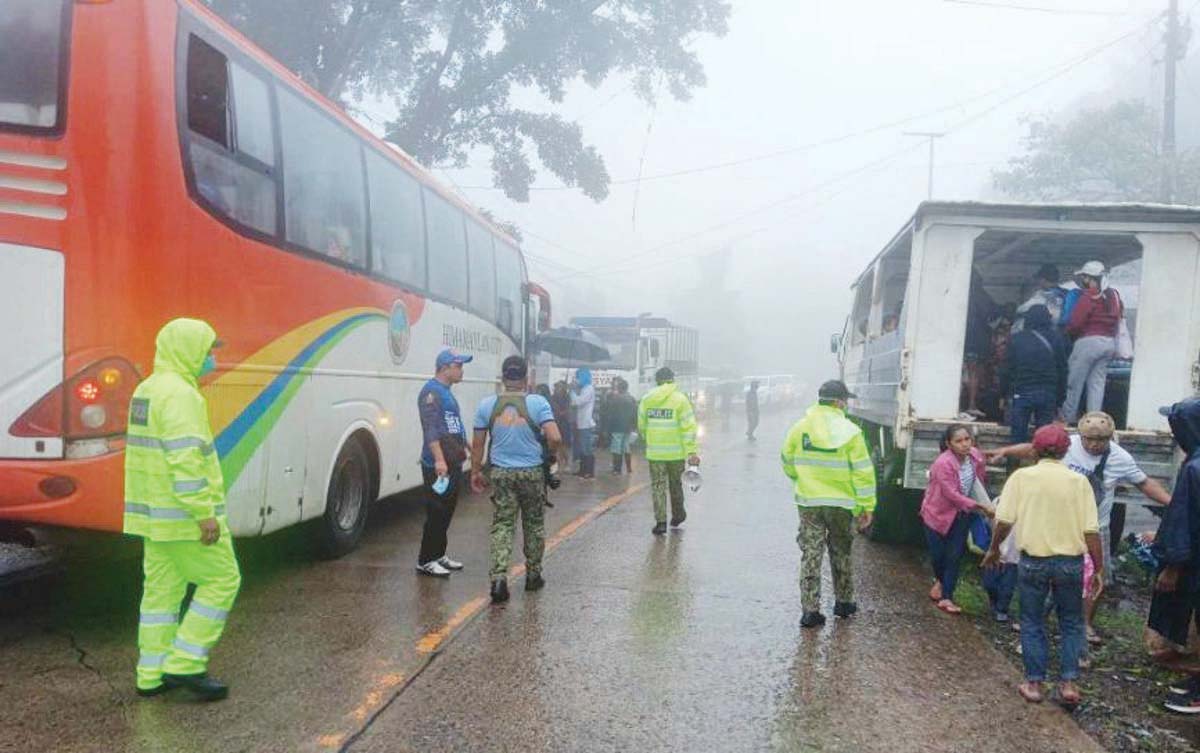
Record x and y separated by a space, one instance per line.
827 458
172 473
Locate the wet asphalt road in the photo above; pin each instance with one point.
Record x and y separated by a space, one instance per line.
688 642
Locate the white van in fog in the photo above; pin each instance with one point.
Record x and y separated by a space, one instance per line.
902 349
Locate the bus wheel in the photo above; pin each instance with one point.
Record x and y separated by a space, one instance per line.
347 501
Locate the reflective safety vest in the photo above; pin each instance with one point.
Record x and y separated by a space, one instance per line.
172 473
827 458
668 424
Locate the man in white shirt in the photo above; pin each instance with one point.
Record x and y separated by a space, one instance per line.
1094 455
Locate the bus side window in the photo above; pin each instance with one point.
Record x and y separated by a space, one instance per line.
447 249
323 193
508 289
483 271
397 223
236 180
208 92
254 133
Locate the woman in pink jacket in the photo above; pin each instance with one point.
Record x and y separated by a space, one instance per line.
946 509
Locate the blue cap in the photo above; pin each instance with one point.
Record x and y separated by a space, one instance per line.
449 356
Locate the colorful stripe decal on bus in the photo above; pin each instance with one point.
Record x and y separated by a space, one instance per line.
237 441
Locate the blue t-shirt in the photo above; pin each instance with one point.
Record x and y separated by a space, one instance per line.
440 417
513 442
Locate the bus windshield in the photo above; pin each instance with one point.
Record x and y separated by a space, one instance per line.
622 347
31 50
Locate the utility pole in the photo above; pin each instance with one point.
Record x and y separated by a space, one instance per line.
1172 56
933 137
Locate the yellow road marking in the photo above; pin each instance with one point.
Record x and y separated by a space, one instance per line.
379 696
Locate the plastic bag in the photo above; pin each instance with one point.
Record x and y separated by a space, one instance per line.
1124 341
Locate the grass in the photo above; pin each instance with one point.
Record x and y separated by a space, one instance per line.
1123 690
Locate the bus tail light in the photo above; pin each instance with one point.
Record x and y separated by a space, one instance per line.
91 404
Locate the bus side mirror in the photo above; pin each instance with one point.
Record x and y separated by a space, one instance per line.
835 343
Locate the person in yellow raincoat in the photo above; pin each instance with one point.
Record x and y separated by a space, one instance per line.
833 477
175 501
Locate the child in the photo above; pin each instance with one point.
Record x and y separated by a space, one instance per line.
1000 582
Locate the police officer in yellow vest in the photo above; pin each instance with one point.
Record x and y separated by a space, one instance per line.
826 457
175 501
668 424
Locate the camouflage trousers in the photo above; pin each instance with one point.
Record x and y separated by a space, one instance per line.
518 490
666 476
823 528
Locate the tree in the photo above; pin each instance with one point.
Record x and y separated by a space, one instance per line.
454 68
1107 153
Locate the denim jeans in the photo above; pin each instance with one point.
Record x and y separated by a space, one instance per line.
1040 403
1061 578
1000 583
946 551
585 440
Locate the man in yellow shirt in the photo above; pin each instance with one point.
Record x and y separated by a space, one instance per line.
1053 511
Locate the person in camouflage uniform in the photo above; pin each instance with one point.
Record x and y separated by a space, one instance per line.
833 478
516 490
515 423
667 422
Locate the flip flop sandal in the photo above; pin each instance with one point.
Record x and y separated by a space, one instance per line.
1094 639
1029 692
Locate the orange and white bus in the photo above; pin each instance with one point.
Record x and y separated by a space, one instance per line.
154 164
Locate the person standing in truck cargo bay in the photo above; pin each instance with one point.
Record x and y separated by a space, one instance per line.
1093 323
175 501
833 478
1034 374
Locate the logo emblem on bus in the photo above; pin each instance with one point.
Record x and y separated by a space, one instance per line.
399 333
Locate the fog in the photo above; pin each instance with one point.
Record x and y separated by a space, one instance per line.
760 255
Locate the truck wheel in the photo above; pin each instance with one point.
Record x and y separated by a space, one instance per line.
347 502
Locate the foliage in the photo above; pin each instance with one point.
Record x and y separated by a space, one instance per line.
1106 153
460 71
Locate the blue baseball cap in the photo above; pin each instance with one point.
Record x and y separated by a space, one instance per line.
449 356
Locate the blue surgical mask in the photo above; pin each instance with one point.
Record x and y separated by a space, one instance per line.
209 365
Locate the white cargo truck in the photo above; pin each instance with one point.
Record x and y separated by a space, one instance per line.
903 346
638 346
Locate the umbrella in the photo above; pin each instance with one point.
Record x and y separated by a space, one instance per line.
572 343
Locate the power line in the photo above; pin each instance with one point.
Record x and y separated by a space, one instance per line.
830 141
826 199
1038 8
616 265
1061 71
1057 72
